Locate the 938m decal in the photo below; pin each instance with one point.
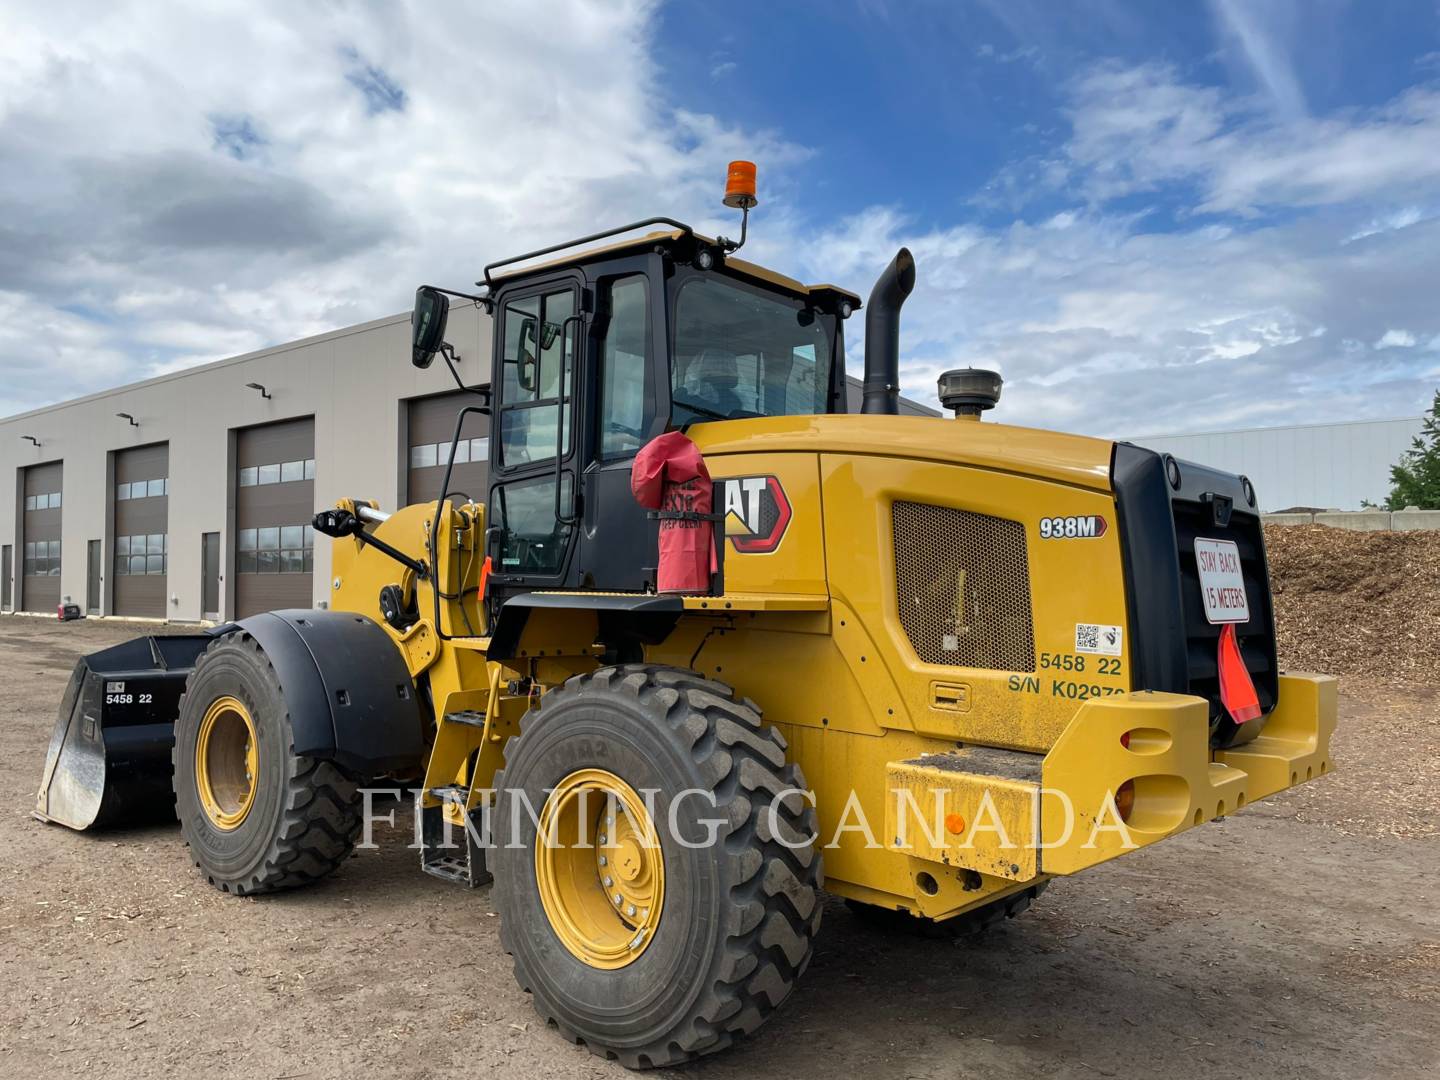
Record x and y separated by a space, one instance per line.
1082 527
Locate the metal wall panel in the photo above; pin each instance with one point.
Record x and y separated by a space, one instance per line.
138 574
1330 466
269 498
431 428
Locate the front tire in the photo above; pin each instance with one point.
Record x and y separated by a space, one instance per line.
738 916
256 817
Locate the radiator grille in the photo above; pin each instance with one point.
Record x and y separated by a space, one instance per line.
962 582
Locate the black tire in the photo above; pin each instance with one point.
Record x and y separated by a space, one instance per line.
974 921
306 812
738 918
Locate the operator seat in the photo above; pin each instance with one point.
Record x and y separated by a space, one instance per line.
711 379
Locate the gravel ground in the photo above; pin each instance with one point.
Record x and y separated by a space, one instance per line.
1298 938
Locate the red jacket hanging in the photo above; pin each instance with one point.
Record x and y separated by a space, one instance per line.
669 475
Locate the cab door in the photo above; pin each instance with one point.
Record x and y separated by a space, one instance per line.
538 341
627 380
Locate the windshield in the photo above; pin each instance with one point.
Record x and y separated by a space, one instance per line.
742 352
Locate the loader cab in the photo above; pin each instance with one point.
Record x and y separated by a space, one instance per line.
596 355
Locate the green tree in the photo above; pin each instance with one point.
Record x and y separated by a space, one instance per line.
1415 479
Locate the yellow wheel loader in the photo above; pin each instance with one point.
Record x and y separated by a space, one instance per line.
948 658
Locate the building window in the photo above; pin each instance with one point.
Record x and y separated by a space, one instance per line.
283 472
142 489
430 455
280 549
141 554
48 501
42 558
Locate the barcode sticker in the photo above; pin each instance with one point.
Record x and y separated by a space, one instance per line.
1097 639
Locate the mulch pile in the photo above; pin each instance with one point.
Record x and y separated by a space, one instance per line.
1357 603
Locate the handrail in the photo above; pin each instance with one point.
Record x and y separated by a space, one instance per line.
570 518
487 280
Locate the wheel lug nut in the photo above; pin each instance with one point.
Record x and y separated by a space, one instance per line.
609 881
604 861
630 910
619 899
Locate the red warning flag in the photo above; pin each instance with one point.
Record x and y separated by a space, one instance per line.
669 475
1237 690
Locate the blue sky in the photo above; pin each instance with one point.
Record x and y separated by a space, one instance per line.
924 104
1150 217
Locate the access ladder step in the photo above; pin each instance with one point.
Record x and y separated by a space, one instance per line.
454 857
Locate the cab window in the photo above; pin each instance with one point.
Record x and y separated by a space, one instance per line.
532 540
539 357
622 369
740 351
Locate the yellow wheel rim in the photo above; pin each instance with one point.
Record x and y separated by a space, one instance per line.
599 868
226 763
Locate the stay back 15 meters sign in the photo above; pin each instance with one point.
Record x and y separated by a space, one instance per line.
1222 582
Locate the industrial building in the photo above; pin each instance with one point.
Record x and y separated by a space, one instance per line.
189 496
1322 466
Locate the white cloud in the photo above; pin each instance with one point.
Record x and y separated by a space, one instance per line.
1105 329
1139 129
209 179
1398 219
1262 43
1396 339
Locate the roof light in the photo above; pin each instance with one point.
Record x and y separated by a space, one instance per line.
740 185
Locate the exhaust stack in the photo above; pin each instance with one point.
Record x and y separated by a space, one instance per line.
882 335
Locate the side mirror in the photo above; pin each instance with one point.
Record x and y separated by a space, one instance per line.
526 367
427 325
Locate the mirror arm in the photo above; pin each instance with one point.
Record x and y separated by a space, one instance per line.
484 301
451 359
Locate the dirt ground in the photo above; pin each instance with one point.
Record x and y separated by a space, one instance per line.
1298 938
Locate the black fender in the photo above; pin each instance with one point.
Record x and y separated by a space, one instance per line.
351 698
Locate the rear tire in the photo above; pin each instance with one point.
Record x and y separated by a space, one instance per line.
738 916
294 820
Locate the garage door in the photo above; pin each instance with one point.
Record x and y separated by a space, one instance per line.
40 539
274 502
142 542
432 426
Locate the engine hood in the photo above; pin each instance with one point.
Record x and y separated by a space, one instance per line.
1069 459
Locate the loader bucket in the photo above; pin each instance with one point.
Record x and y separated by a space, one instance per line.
109 758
